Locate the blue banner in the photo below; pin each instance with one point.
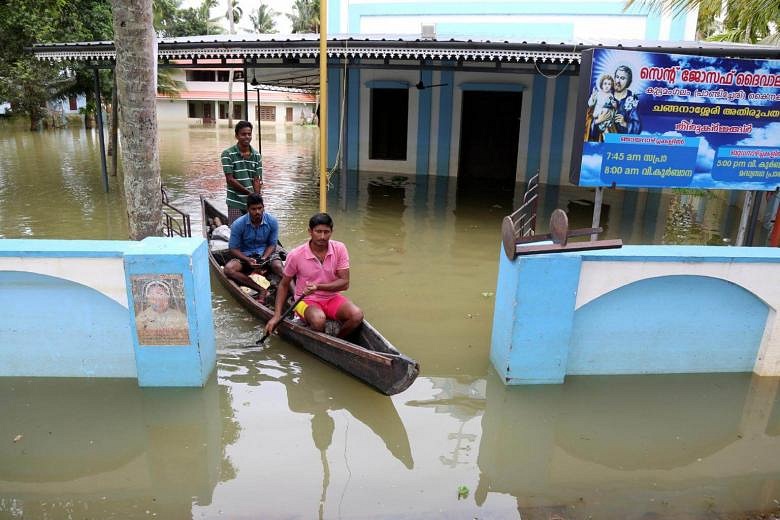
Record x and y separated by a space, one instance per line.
669 120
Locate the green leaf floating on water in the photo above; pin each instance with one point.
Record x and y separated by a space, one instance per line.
463 492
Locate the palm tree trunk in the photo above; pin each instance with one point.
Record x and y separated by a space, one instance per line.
134 38
230 73
114 129
230 99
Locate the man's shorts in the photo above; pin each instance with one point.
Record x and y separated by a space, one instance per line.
330 307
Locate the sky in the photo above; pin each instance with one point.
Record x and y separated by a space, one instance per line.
282 7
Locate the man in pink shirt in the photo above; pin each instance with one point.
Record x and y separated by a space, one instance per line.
321 271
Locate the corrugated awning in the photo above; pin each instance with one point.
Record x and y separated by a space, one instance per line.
403 47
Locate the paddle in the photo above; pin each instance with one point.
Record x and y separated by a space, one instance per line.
286 313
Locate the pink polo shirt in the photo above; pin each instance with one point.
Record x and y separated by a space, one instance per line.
302 263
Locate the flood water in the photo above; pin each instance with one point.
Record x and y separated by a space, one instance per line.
278 434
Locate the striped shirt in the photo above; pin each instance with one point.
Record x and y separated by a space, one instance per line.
243 170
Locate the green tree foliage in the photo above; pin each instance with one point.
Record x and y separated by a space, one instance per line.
28 83
235 10
747 21
167 85
262 19
170 20
306 16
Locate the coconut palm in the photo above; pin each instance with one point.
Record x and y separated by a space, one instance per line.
204 11
749 21
263 19
233 14
306 16
167 85
134 37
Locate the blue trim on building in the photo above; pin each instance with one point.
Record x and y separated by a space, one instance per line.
425 100
677 30
353 118
745 255
387 83
445 123
491 87
334 16
530 31
534 145
358 11
334 100
558 129
65 248
653 27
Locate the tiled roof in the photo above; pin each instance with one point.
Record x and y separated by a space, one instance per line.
268 96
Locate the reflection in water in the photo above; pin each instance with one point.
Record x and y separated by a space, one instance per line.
99 448
623 447
462 399
319 394
288 436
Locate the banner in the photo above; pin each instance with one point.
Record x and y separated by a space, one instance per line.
674 121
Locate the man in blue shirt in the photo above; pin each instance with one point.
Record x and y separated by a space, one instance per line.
253 239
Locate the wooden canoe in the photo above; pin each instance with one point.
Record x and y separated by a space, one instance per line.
370 358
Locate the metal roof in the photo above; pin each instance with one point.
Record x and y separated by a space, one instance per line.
405 47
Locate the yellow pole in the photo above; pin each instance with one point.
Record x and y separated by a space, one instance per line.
323 106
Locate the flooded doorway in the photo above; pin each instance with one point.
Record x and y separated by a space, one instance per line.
489 133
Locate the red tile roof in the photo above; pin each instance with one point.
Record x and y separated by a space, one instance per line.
268 96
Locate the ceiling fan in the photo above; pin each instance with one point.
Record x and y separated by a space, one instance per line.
422 86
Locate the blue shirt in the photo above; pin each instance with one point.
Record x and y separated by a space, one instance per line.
251 240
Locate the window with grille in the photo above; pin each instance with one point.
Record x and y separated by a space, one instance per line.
267 113
200 75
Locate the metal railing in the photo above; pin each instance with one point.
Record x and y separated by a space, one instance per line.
175 221
523 219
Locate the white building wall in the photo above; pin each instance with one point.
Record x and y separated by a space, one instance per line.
407 167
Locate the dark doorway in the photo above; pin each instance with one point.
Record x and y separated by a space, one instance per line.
489 132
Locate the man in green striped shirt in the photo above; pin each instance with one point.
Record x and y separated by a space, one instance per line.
243 168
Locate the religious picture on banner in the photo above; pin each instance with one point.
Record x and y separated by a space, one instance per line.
675 121
160 311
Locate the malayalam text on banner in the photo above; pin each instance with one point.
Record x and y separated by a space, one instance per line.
668 120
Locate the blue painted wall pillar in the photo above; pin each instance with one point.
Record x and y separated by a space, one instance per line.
353 117
542 290
444 138
176 348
